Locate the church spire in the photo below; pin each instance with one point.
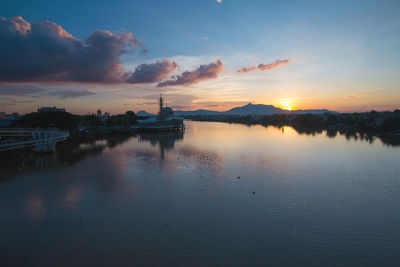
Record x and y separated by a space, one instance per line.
161 102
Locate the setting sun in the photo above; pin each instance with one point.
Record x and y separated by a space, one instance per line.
286 105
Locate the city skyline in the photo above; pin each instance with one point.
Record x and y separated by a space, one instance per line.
212 55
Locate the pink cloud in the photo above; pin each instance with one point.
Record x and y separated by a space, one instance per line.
245 70
202 73
263 67
153 72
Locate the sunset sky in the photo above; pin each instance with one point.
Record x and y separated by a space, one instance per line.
120 55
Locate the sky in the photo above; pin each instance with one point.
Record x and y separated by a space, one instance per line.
120 55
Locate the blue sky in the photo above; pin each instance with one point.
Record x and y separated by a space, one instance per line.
344 55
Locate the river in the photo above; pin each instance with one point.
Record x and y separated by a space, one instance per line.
217 194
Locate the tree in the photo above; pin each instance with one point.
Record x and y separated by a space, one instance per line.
131 116
118 120
49 119
390 124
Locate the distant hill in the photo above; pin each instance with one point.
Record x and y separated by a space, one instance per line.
255 109
249 109
312 111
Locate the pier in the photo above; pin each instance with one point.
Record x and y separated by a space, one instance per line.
37 139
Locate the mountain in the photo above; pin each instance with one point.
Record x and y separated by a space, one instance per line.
312 111
249 109
255 109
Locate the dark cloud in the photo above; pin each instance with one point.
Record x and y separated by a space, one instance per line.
275 64
154 72
45 52
14 102
73 94
244 70
20 90
202 73
194 105
226 104
263 67
180 107
212 105
171 97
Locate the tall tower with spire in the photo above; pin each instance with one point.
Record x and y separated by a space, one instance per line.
161 102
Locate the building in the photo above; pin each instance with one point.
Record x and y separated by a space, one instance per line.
165 120
51 109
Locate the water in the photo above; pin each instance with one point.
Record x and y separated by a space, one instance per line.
177 199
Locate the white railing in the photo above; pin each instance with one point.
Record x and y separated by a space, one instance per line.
38 139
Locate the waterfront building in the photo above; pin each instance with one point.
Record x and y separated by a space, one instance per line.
165 120
51 109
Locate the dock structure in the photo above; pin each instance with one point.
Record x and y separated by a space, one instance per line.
38 139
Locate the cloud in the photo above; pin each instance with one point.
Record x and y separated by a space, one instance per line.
214 105
221 105
154 72
275 64
14 102
263 67
180 107
352 96
45 52
202 73
173 98
149 103
73 94
244 70
20 90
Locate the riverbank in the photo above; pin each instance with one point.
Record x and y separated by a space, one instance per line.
369 122
365 126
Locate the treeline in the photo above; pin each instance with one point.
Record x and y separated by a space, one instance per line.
67 121
373 121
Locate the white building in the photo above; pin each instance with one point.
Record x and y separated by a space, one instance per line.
165 120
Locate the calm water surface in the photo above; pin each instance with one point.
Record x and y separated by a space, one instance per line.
177 199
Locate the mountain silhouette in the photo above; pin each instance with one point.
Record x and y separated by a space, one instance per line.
252 109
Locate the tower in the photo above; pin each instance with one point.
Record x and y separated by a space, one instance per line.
161 102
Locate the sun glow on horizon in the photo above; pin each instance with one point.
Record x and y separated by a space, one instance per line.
287 105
